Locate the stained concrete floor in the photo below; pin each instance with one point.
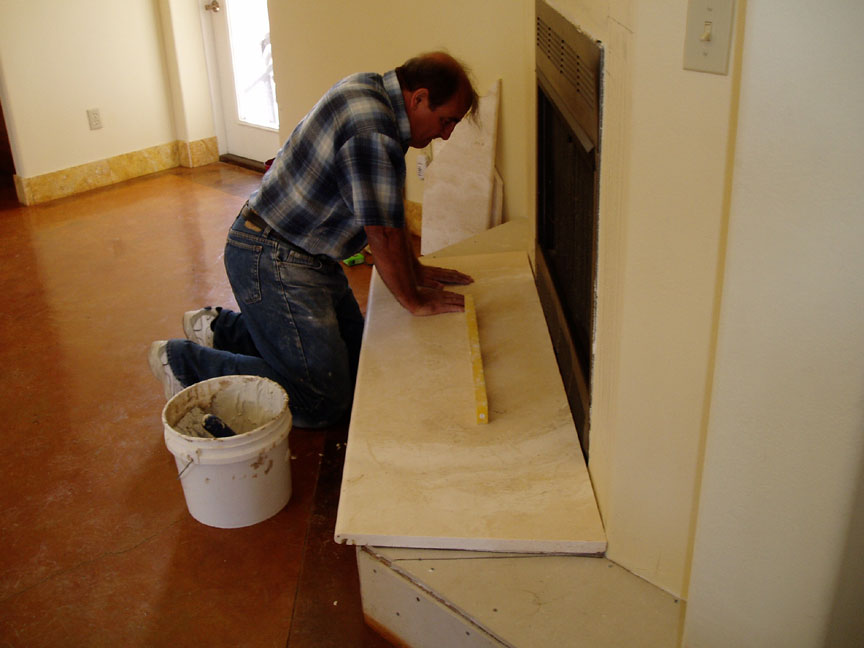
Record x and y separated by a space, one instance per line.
98 547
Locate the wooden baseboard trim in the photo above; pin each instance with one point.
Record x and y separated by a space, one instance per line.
246 163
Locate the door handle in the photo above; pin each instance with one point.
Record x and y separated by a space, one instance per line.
213 6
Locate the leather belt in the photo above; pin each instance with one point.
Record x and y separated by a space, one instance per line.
254 222
252 219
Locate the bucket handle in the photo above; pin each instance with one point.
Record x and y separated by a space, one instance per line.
191 459
185 468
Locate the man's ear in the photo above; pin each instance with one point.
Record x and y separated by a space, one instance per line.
419 96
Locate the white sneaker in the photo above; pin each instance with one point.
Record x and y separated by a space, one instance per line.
198 325
157 358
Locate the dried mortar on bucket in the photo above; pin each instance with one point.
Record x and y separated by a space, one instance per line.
234 405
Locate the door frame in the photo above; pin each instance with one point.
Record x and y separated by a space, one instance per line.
216 95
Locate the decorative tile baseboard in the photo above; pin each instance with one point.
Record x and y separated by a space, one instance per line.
198 153
78 179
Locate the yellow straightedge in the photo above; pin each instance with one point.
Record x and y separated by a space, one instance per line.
480 399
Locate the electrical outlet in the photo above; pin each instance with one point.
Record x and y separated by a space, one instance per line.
94 118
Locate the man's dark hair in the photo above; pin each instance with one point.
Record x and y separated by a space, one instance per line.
441 74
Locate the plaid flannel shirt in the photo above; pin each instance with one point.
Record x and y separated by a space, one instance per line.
342 168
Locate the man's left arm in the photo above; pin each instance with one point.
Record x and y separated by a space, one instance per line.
433 276
373 167
397 265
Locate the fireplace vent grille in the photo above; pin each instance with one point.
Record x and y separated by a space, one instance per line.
568 62
568 66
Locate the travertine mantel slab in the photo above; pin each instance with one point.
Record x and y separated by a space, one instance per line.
419 472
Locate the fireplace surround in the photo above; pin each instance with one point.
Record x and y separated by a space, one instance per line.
569 101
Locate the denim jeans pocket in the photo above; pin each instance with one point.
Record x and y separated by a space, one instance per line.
243 265
287 256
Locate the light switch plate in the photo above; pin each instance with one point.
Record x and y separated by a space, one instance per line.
708 35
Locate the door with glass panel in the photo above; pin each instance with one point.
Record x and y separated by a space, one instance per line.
244 75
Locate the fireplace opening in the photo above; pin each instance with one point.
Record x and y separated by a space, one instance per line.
569 67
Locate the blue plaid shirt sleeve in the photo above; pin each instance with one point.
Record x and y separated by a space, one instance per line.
373 167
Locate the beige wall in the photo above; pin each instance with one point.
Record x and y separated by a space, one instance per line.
317 43
141 62
187 69
664 144
779 558
761 219
61 58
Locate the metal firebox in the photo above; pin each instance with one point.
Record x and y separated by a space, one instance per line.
569 101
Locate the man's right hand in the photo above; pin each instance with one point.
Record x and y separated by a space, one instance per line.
433 301
395 262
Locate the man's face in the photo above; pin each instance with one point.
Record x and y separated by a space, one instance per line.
427 124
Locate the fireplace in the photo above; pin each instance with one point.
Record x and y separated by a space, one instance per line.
569 65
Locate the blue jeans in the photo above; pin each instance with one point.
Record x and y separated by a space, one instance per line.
299 325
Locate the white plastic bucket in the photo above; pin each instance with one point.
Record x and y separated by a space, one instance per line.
238 480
